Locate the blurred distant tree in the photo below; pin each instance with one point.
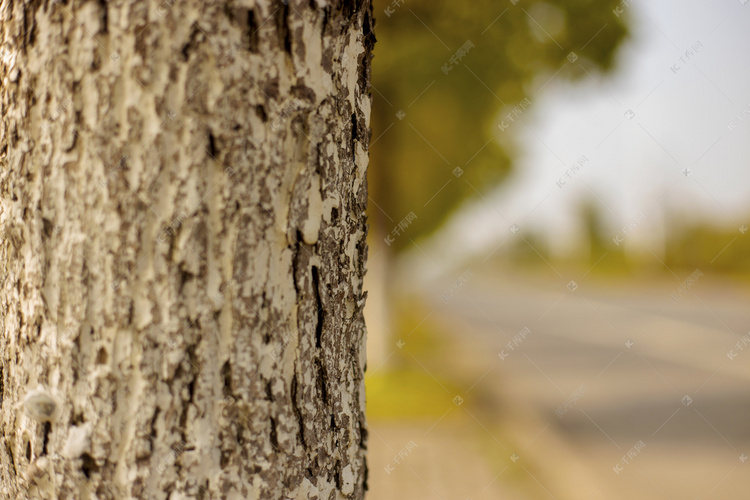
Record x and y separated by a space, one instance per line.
606 250
704 246
599 243
449 77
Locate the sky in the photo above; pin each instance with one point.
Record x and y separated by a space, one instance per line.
668 130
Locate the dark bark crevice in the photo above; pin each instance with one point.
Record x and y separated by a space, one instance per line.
297 411
88 465
355 135
212 151
105 16
273 436
252 31
45 437
226 374
192 42
322 381
152 426
282 27
320 312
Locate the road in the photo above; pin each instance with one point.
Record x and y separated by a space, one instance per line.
650 386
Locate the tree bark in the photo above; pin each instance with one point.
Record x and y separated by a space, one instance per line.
182 198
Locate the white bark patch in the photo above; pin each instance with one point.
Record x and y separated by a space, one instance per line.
347 477
352 51
311 226
78 441
315 73
361 160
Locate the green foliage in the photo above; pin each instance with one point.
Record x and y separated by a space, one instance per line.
710 249
431 115
703 245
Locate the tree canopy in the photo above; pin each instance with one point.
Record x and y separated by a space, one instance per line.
451 80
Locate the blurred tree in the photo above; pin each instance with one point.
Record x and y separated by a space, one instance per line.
606 249
702 245
449 77
599 243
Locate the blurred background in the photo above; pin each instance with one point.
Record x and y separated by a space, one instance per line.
559 252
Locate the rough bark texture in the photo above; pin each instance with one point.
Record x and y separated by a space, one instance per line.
182 196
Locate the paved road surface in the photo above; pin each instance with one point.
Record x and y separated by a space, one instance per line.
623 370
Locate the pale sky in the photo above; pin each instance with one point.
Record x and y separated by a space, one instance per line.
685 75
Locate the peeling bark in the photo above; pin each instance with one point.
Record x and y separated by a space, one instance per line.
182 246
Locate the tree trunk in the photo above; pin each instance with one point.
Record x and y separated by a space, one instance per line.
182 198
